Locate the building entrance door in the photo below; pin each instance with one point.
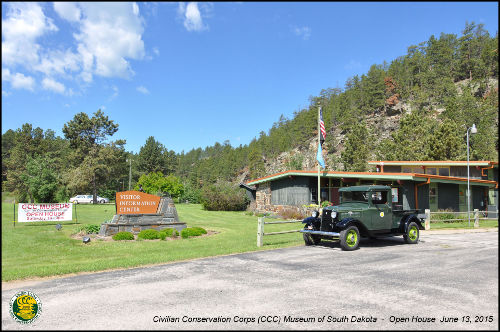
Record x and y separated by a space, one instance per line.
334 196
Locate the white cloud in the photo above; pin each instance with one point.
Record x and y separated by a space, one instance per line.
143 90
5 74
68 10
304 32
6 93
56 62
156 51
105 37
135 9
192 16
53 85
109 33
24 24
18 80
115 92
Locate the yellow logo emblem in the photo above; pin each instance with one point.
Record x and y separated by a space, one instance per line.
381 214
25 307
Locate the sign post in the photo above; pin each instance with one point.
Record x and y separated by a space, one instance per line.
76 215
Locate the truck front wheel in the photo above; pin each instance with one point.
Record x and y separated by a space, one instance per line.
349 238
412 233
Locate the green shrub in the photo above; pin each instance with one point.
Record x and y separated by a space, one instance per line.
192 231
90 229
446 216
291 214
123 236
149 234
199 229
223 197
156 182
167 232
170 232
295 162
191 194
326 203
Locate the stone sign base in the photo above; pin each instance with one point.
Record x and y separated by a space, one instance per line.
134 223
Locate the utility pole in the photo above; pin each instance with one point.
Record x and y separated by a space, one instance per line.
130 173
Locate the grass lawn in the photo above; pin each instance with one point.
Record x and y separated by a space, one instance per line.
38 249
491 223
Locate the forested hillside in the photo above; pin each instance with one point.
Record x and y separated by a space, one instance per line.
417 107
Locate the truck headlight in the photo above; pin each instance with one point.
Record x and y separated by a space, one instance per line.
334 214
315 214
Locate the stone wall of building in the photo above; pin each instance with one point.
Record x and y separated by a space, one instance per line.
263 197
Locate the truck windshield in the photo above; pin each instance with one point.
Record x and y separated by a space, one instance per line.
354 196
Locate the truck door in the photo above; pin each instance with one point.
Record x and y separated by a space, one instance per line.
381 210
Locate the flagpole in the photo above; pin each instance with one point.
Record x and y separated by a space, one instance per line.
319 143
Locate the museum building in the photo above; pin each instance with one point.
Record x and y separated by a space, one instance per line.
434 185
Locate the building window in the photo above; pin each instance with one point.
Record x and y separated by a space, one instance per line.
462 198
324 194
412 169
444 171
430 171
314 195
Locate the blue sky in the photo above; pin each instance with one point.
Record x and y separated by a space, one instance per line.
192 74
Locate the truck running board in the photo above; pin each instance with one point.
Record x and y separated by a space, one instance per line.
332 234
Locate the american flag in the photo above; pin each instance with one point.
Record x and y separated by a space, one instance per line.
321 127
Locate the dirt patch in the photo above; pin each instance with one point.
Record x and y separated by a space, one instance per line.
93 237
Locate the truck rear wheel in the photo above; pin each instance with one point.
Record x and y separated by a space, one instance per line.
349 238
412 233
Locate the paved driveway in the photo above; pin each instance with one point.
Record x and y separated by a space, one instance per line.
386 284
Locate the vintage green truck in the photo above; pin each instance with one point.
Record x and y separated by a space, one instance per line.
364 211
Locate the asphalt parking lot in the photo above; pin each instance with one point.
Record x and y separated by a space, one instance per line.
446 282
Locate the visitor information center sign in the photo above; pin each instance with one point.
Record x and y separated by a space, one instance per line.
28 212
136 202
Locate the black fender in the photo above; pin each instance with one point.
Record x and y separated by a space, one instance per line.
315 222
346 222
406 220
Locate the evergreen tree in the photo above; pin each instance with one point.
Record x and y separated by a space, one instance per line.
447 142
152 157
96 159
356 149
410 141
